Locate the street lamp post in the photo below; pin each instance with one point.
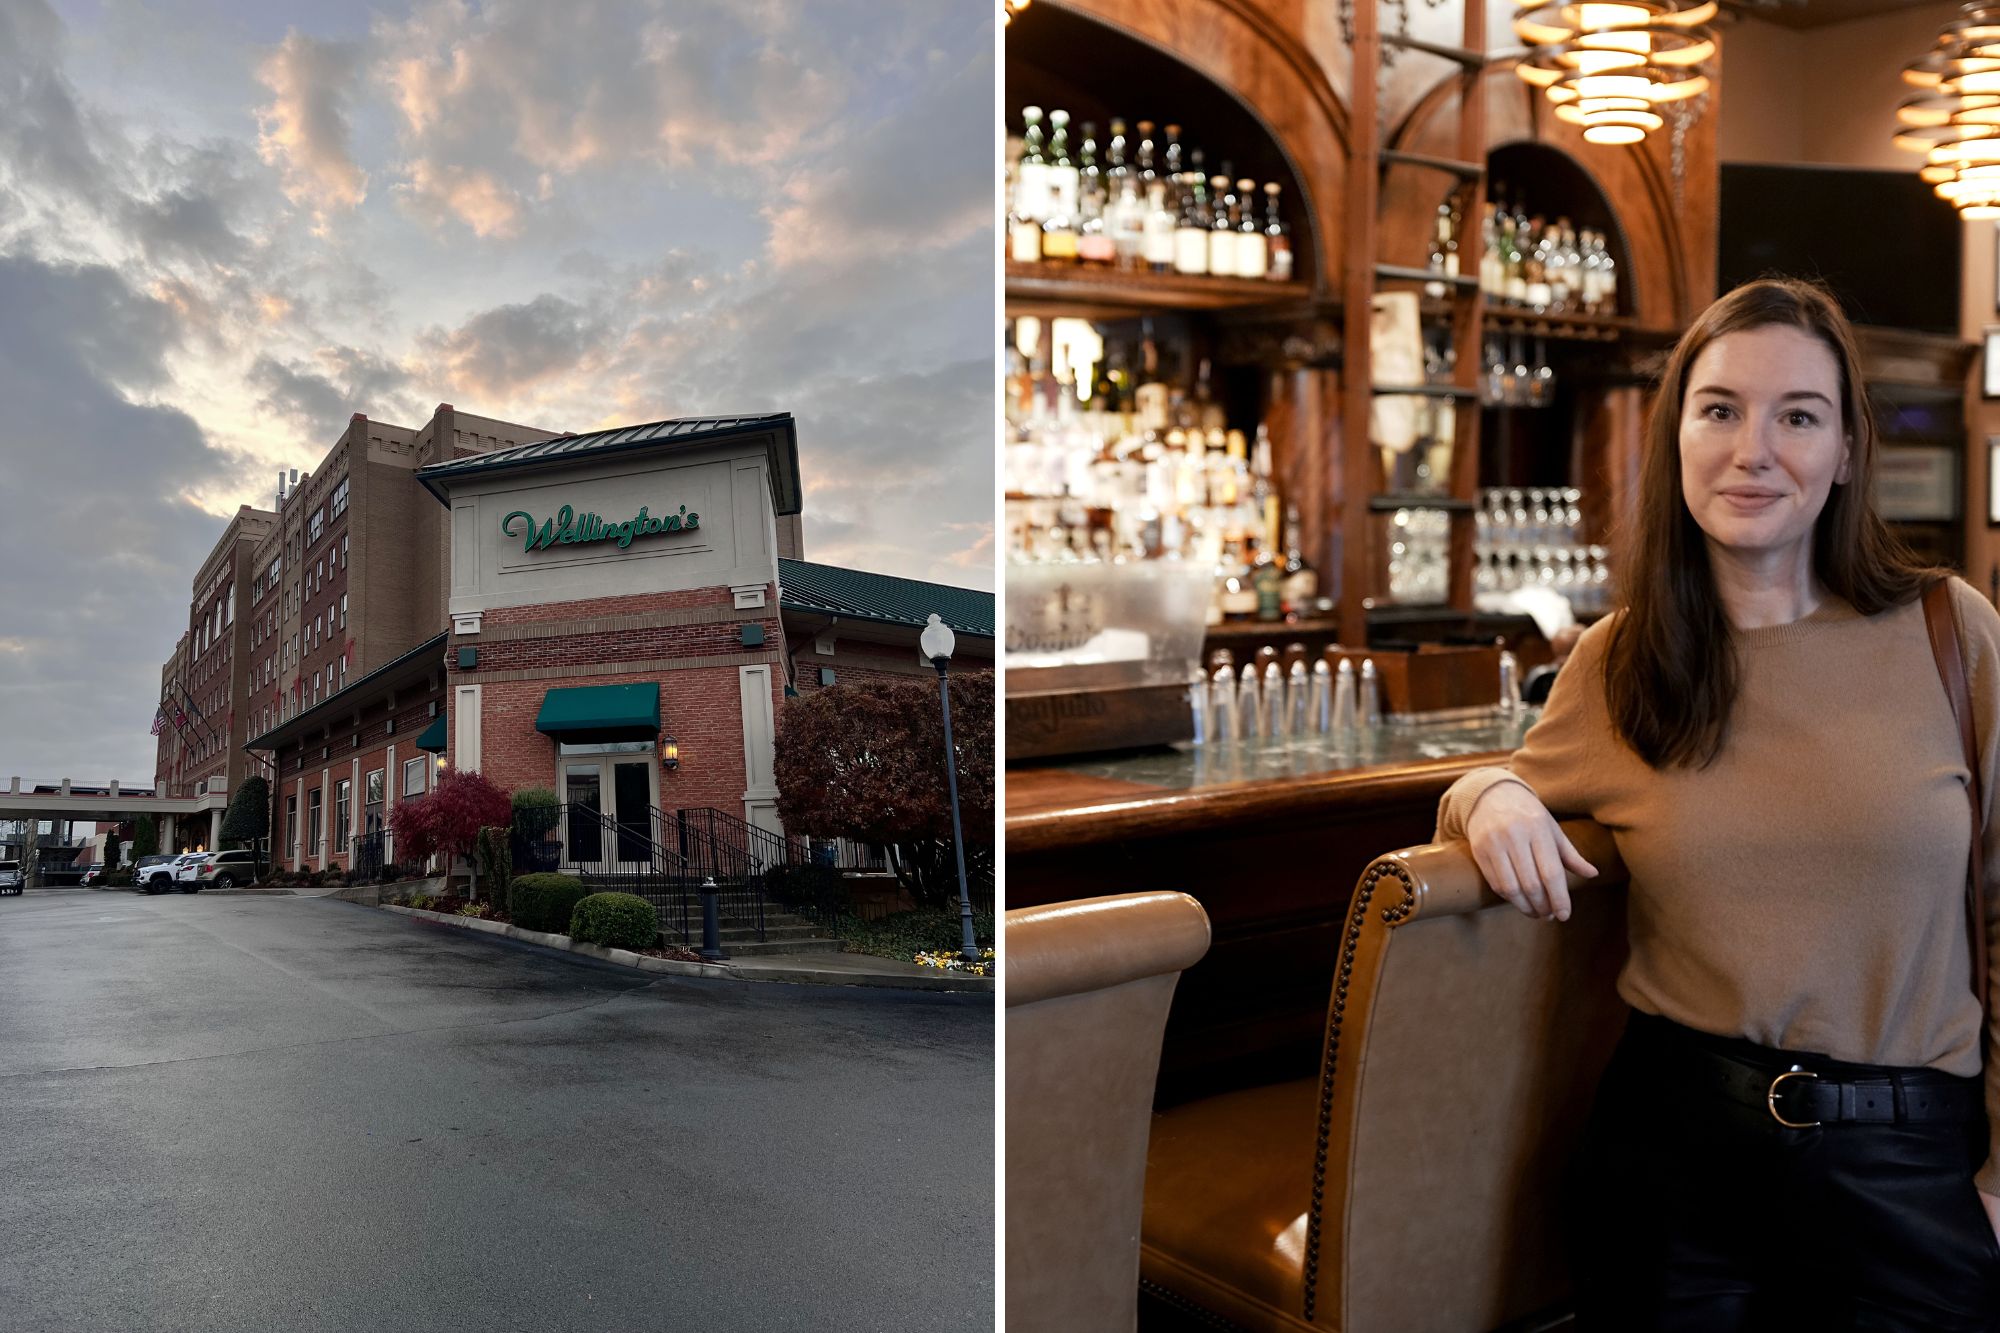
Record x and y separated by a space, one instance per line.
936 644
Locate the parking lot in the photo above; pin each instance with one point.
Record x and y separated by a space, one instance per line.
265 1112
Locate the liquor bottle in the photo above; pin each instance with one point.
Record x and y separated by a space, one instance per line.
1263 491
1222 226
1094 246
1267 579
1024 234
1253 256
1535 266
1492 280
1191 228
1064 179
1125 209
1059 238
1157 240
1453 220
1277 237
1440 233
1031 181
1607 268
1151 395
1301 579
1171 165
1561 273
1517 273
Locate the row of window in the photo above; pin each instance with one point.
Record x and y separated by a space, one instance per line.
414 771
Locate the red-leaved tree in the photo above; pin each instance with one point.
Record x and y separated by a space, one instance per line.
448 819
866 762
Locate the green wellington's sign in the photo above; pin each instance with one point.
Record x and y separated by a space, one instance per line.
569 528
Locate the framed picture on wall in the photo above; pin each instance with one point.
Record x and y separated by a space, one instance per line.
1993 480
1989 369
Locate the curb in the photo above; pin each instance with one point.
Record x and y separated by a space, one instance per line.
674 967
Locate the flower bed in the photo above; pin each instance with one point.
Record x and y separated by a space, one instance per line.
951 962
911 936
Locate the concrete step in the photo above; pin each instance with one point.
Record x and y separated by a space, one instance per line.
751 949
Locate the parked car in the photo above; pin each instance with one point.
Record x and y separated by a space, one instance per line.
156 874
186 871
93 874
10 877
222 870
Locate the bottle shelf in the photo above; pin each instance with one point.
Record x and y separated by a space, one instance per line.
1097 293
1264 629
1390 501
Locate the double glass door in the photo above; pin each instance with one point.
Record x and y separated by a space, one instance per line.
611 790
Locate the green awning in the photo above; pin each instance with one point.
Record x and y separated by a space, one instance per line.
601 709
433 737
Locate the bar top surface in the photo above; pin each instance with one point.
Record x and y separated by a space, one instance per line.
1098 798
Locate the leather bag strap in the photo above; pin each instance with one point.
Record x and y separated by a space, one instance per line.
1941 620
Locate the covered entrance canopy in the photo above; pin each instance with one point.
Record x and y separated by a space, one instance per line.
601 712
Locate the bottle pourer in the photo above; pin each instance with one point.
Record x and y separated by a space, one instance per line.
1249 717
1371 695
1322 697
1298 702
1222 706
1343 698
1274 702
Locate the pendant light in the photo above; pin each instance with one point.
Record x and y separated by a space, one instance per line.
1609 67
1954 117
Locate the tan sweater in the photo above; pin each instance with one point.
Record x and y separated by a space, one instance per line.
1807 890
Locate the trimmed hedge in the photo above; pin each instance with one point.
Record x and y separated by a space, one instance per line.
544 902
615 920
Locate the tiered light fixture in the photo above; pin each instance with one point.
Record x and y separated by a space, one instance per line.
1609 67
1955 121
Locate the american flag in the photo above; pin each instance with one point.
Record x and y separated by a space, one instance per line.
159 720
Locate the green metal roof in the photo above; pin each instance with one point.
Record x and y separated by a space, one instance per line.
832 591
601 708
677 432
433 737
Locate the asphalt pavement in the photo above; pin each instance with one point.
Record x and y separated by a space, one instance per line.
266 1113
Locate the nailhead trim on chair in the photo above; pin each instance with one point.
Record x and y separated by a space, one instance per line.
1188 1307
1395 914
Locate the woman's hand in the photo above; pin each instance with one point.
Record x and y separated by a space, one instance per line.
1522 852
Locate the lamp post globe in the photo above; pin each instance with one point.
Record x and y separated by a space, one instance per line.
936 643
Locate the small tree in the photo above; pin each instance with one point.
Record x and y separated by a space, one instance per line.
249 818
145 838
866 762
448 819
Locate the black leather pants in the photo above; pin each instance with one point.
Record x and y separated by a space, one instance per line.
1689 1211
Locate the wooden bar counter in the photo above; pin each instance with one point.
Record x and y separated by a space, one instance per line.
1270 839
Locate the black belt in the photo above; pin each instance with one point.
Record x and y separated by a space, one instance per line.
1800 1097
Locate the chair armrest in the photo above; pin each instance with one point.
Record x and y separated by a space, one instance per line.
1095 943
1445 881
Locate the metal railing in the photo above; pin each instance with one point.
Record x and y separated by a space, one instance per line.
372 852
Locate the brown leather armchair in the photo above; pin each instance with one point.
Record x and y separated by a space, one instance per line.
1414 1185
1088 985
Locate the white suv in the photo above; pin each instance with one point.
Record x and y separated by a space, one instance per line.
160 876
10 877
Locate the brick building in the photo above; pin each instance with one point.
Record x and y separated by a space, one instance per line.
616 617
203 684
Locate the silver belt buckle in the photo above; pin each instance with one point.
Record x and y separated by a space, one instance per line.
1771 1099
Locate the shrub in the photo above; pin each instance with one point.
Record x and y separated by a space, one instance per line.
811 885
615 920
496 859
544 902
480 910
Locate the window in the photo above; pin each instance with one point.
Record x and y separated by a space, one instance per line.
322 569
371 802
229 605
271 574
343 804
343 550
292 824
413 777
316 525
343 610
340 497
315 827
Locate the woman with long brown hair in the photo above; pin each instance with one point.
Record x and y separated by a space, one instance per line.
1794 1131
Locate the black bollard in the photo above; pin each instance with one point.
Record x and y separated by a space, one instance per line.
711 925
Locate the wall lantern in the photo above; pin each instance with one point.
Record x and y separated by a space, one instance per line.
670 753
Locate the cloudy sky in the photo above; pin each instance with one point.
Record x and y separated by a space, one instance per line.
225 227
